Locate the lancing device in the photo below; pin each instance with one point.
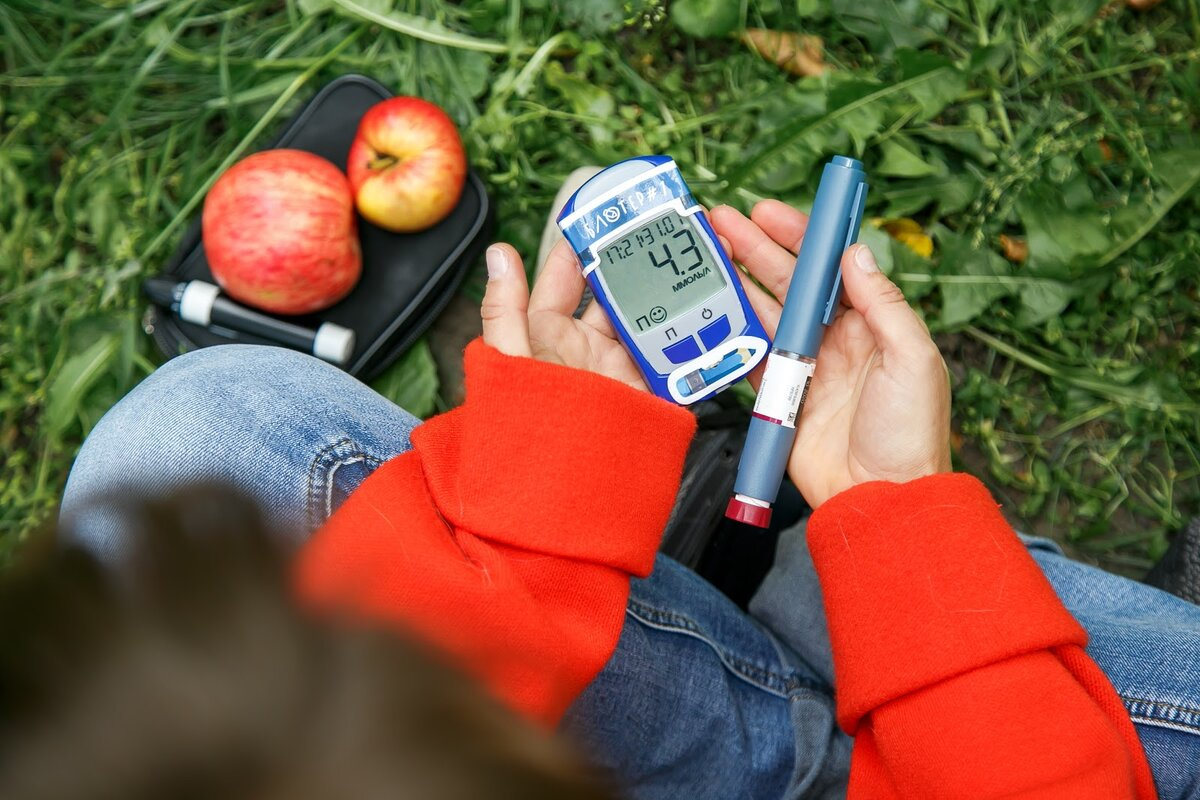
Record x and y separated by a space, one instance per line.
811 303
201 303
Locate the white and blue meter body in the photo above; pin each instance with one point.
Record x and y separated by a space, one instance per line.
659 272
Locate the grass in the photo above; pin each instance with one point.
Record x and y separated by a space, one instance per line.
1068 127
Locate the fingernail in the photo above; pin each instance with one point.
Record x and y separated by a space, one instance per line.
497 262
864 259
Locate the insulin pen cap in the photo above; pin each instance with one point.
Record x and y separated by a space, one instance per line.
743 510
833 225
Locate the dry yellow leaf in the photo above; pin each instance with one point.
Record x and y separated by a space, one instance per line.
1015 249
798 53
909 233
1142 5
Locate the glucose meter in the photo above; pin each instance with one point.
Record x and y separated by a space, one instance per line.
659 272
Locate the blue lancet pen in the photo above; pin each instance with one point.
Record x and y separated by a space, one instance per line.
811 303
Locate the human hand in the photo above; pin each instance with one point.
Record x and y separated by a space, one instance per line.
879 404
540 325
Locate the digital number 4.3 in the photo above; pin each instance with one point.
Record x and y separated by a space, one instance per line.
669 260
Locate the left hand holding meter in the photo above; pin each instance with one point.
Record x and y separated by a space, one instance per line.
664 280
540 324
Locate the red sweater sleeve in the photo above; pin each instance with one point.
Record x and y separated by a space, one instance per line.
508 534
959 672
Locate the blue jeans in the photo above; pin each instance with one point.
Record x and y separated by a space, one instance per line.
700 700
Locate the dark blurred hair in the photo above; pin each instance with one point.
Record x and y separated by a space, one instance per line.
190 673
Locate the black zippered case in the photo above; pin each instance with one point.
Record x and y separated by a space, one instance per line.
407 279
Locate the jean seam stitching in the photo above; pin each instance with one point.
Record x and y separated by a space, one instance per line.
313 467
1137 710
1164 722
332 471
320 461
766 679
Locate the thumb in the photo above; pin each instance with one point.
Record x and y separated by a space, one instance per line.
896 327
505 308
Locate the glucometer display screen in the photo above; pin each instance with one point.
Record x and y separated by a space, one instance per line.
659 270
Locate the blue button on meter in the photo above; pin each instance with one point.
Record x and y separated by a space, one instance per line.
657 269
683 351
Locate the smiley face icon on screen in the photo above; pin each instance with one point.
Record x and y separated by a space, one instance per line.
658 314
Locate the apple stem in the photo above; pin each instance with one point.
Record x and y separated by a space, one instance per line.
381 162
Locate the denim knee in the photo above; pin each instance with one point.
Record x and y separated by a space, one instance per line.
187 402
283 427
213 415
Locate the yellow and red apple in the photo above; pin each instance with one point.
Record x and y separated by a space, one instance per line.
280 233
407 165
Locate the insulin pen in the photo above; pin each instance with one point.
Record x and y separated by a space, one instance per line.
811 303
201 303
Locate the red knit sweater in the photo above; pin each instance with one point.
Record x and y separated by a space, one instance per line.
508 534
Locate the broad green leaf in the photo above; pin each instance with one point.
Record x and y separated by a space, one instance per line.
1060 239
901 162
970 279
706 18
985 8
912 273
888 24
79 374
964 139
948 194
594 17
1043 299
861 117
843 114
428 30
311 7
412 382
808 8
1179 172
938 92
127 352
100 216
474 72
991 58
793 165
880 244
585 98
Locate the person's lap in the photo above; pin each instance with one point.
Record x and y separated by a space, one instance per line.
700 699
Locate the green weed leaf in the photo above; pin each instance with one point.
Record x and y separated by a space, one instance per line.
706 18
311 7
888 24
1043 299
78 375
900 160
965 140
585 98
429 30
968 278
861 113
881 246
594 17
949 194
1060 240
412 382
1179 171
911 272
935 94
856 108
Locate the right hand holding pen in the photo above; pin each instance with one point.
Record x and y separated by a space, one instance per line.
879 404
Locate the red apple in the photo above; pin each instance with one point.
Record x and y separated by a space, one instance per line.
406 165
280 232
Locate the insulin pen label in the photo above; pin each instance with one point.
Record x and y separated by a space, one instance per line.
784 387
